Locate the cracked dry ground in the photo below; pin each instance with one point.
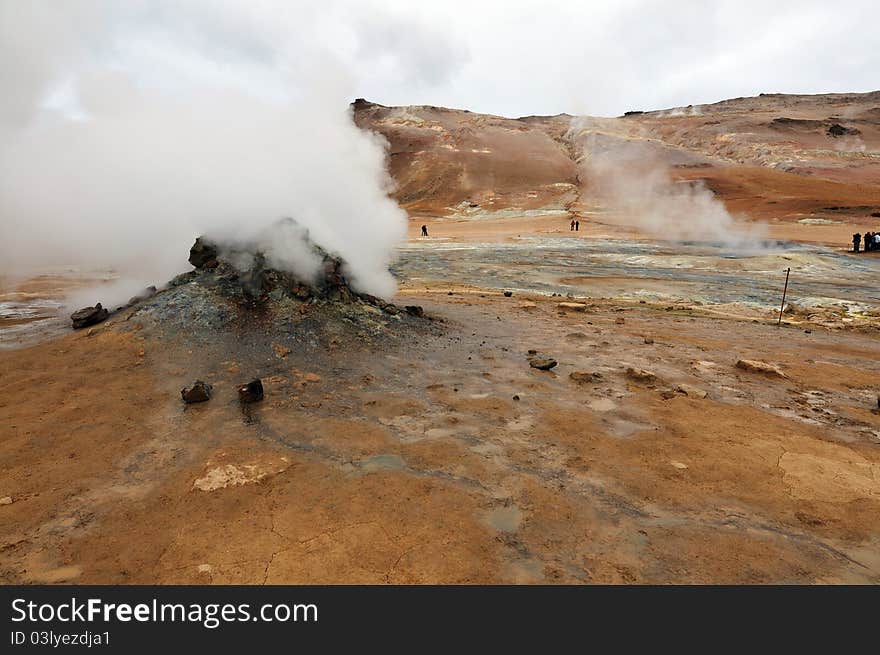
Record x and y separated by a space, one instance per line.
415 464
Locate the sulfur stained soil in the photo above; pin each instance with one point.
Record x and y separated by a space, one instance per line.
429 451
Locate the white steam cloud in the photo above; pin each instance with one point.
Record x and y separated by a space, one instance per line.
631 178
129 128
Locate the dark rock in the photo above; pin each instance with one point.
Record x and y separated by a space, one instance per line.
516 396
415 310
508 294
88 316
199 392
542 363
251 392
203 254
836 129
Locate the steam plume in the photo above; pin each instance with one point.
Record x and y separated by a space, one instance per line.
631 178
129 128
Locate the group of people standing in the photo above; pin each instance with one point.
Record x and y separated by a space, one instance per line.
575 225
871 241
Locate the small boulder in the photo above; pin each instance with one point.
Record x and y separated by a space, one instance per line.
649 340
508 294
691 391
415 310
755 366
199 392
571 307
251 392
6 500
203 254
87 316
542 363
640 375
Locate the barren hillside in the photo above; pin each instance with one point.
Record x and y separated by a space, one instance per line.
780 158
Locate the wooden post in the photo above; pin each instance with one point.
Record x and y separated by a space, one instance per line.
784 291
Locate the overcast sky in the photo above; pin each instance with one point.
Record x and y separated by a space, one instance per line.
510 57
519 57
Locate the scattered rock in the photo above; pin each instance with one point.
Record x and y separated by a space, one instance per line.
754 366
667 394
415 310
516 396
251 392
6 500
87 316
203 254
584 377
649 340
679 465
527 304
542 363
199 392
640 375
508 294
619 320
691 391
280 351
572 307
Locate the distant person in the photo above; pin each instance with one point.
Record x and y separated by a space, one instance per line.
868 241
572 225
424 230
857 239
876 240
577 226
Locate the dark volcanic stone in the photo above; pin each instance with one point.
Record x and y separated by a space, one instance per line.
203 254
415 310
251 392
199 392
508 294
88 316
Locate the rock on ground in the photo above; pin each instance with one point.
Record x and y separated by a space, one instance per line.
199 392
87 316
640 374
251 392
542 363
755 366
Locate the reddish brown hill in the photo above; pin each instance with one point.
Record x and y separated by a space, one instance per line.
774 157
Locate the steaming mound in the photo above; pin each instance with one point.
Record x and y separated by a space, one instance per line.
258 310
